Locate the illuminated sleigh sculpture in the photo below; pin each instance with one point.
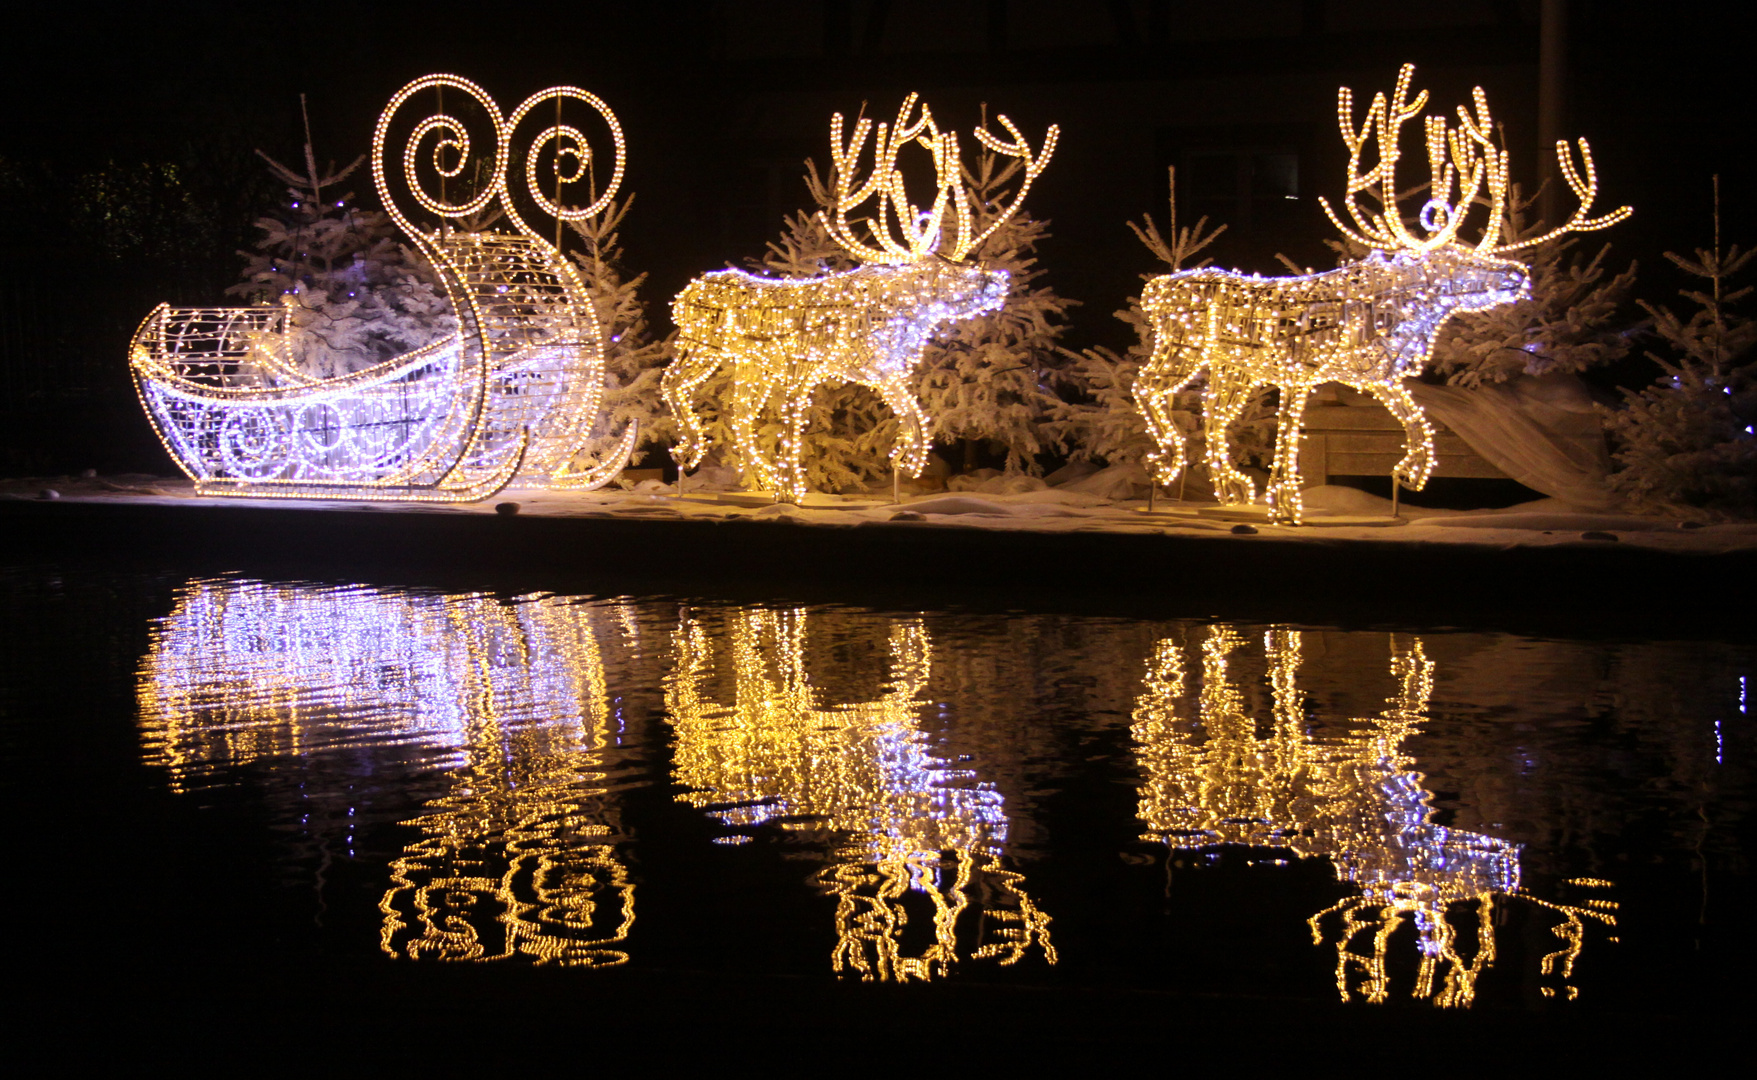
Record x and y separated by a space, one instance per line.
513 393
1368 325
780 337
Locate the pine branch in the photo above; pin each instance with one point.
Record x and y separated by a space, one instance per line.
311 185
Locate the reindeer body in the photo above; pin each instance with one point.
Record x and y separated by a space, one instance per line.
867 326
1368 325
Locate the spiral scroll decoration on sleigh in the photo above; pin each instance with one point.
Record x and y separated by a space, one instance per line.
514 393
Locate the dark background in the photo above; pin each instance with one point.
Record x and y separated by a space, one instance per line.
127 175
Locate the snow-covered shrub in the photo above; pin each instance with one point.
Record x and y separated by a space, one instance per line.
993 378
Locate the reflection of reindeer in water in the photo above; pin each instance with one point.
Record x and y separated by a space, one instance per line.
520 859
1213 781
906 827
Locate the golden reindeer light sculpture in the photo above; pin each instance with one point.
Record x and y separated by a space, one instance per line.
911 836
1212 780
1369 324
782 338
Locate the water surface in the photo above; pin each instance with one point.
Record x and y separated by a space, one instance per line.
223 780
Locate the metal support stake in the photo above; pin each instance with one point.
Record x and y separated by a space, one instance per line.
1396 491
896 485
1152 493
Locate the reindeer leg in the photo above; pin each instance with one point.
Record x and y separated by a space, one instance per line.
1227 399
1154 389
909 455
749 396
1287 503
1418 435
678 386
790 486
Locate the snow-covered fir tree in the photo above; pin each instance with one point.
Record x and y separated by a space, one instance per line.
992 379
1571 321
984 382
1687 444
633 359
356 296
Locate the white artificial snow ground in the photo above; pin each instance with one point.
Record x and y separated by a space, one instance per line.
1087 504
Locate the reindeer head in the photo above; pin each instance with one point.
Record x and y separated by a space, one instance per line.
901 232
1464 162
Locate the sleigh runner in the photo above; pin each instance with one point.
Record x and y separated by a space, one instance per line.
513 393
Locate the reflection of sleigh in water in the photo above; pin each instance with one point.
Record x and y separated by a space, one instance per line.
517 857
514 392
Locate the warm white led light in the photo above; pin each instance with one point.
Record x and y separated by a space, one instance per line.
518 856
782 338
911 830
1219 775
1367 325
513 394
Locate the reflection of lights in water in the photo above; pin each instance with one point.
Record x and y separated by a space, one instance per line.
519 858
907 826
1212 780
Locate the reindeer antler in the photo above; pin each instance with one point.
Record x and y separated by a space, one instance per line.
1584 182
886 182
1034 165
1467 156
1383 230
918 233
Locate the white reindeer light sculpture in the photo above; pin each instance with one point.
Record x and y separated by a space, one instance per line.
1367 325
785 337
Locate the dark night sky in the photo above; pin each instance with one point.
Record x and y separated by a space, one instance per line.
1666 99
